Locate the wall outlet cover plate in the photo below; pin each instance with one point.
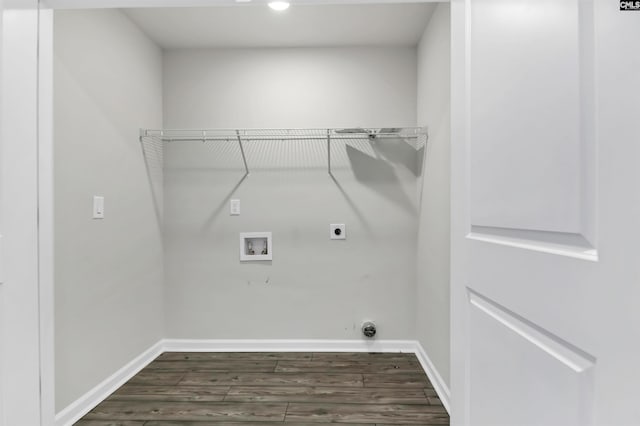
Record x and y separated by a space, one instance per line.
98 207
337 231
234 208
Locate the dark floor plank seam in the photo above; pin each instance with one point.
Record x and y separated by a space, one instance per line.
224 399
286 411
181 378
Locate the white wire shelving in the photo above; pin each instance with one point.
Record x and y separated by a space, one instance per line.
247 135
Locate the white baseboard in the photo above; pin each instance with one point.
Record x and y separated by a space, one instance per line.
91 399
292 345
436 379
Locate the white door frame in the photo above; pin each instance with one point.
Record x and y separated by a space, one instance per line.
46 216
2 420
27 353
459 205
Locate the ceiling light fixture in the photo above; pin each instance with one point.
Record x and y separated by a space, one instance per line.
279 5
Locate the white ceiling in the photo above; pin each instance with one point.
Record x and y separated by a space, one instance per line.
256 25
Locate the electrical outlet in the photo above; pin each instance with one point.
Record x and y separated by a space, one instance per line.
98 207
234 208
337 231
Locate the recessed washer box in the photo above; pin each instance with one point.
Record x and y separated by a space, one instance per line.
255 246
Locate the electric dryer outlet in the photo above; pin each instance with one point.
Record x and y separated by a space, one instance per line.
337 231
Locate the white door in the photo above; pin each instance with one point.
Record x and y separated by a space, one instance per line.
546 213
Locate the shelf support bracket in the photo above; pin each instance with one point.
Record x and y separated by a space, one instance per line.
329 151
244 158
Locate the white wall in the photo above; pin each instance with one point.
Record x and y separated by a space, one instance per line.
108 84
314 288
313 87
432 328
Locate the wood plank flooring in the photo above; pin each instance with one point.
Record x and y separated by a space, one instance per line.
200 389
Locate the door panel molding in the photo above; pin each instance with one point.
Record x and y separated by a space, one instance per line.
531 167
566 353
534 376
558 243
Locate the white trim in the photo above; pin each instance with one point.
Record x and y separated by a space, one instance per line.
2 321
460 215
45 216
572 357
91 399
572 246
292 345
73 412
20 311
435 378
90 4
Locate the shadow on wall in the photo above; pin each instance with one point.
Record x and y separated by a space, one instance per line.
399 151
380 176
352 204
153 160
376 164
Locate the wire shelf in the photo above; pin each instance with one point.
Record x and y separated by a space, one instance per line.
408 134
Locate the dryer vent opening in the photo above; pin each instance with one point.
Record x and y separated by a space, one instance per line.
369 329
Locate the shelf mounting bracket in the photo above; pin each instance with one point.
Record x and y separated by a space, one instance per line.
329 151
244 158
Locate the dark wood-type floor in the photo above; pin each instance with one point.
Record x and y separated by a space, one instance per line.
198 389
